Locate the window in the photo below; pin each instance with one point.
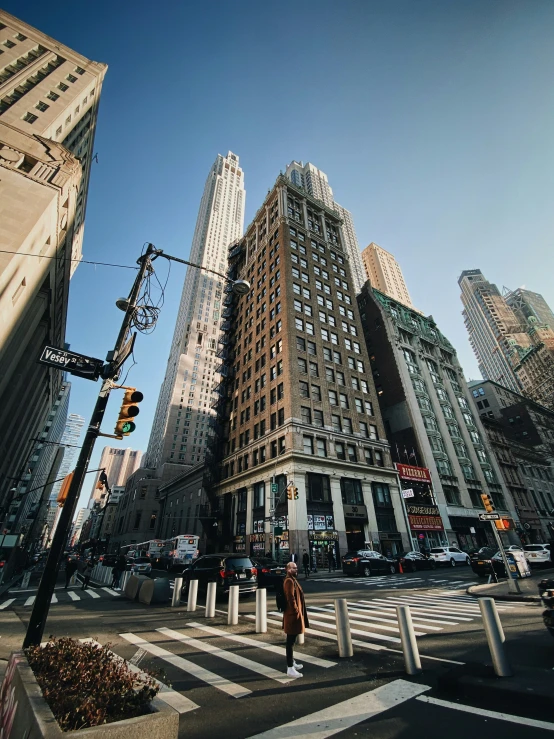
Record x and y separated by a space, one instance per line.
373 434
327 354
306 415
318 488
343 401
379 459
351 491
304 390
339 450
259 495
280 391
329 374
313 369
364 429
381 495
41 106
71 78
308 444
79 70
299 323
318 418
321 447
310 328
300 344
312 348
302 366
355 383
333 398
368 408
30 117
347 424
340 378
336 421
368 454
63 87
52 96
316 392
351 453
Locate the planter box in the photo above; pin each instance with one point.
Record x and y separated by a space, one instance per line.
25 713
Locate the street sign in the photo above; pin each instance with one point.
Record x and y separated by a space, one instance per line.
408 493
489 516
76 364
274 487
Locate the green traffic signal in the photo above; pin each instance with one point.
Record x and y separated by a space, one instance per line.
128 427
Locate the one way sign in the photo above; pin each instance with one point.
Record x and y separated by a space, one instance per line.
76 364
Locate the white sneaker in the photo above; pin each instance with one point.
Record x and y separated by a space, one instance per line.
297 666
293 672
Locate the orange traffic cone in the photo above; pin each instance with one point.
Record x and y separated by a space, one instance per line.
400 567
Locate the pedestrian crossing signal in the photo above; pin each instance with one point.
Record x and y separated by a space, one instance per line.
505 524
129 409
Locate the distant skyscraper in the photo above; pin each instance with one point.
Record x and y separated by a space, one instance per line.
119 465
316 184
180 426
527 304
384 273
70 440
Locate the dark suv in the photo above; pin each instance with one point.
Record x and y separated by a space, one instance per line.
367 562
225 570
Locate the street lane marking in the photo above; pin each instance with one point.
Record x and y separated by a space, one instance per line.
344 715
359 632
262 645
236 659
419 621
92 593
489 714
232 689
6 603
73 595
174 699
329 613
427 610
30 601
112 592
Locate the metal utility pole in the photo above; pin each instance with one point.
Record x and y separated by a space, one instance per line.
37 622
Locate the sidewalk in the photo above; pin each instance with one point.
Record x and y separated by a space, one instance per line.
499 591
320 574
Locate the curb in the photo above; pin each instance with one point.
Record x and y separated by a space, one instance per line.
517 597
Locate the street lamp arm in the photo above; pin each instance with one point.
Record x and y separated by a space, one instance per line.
241 287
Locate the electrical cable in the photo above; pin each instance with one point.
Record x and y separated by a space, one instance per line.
67 259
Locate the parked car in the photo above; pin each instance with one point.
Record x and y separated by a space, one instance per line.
488 560
450 556
269 571
513 548
537 554
412 561
225 570
367 562
142 565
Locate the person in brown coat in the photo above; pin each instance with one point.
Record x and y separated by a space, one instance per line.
295 617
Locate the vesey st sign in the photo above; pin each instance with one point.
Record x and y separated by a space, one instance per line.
76 364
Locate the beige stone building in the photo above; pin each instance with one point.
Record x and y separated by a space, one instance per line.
48 108
384 273
297 405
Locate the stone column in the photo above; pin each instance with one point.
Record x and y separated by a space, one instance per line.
372 528
338 513
298 516
249 498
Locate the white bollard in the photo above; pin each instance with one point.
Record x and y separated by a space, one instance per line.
301 639
261 611
412 661
344 637
177 586
210 600
495 637
233 608
193 595
108 575
124 579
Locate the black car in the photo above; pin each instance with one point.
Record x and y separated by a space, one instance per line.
367 562
109 560
225 570
487 560
412 561
269 571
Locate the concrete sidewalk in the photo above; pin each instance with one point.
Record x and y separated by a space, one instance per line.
499 591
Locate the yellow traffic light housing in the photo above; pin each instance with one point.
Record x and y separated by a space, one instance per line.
487 502
505 524
64 490
289 493
129 410
296 496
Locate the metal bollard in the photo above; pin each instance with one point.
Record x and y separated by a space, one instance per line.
261 611
177 586
233 608
344 637
210 600
408 638
124 579
495 637
192 596
300 640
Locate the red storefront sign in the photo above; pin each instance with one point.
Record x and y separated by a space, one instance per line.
425 523
413 474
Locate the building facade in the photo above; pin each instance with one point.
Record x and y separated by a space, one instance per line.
49 98
316 184
427 411
527 304
297 410
70 442
180 427
384 273
119 465
522 434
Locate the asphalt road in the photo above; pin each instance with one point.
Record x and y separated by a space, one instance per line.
228 681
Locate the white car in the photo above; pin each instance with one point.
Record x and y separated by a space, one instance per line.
537 554
449 556
141 564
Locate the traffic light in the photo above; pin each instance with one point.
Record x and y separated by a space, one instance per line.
102 480
289 493
129 409
487 502
296 496
505 524
62 495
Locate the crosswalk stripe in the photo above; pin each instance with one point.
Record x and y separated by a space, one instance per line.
92 593
329 613
535 723
359 632
30 600
112 592
73 595
206 676
6 603
374 616
416 618
236 659
176 700
442 604
429 608
425 611
348 713
318 661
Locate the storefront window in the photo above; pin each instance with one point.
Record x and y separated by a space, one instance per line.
259 495
319 488
351 491
386 522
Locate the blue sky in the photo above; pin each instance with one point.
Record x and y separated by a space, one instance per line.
432 119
